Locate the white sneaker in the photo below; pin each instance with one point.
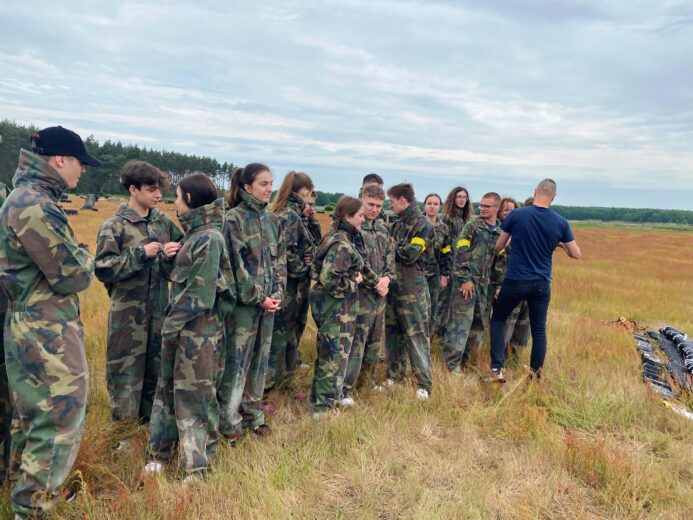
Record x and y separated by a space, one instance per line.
347 401
378 388
457 372
422 394
153 468
303 366
123 445
191 479
389 382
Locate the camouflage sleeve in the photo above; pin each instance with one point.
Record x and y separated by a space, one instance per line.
174 231
248 291
279 267
291 226
111 264
315 230
418 238
370 278
196 297
389 268
47 238
500 265
167 263
336 276
445 261
463 264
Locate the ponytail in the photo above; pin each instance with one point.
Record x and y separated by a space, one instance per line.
240 178
292 183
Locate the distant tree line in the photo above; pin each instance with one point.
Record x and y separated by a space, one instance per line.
105 180
113 155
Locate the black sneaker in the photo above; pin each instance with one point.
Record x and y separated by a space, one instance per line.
495 375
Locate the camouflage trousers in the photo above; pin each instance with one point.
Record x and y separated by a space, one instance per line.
517 326
48 376
248 341
283 357
186 410
133 361
434 295
368 336
464 334
335 319
406 329
443 309
302 318
6 408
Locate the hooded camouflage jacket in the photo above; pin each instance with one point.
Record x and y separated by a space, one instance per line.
412 233
437 257
257 251
337 261
299 239
313 227
202 277
42 267
3 298
476 253
121 264
380 250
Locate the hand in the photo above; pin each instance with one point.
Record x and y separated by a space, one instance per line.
444 282
383 284
467 290
382 291
308 258
84 246
495 296
151 249
171 248
270 304
358 278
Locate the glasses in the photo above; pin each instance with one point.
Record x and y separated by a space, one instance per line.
487 206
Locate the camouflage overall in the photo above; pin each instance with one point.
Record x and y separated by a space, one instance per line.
42 268
407 313
139 295
473 262
186 411
370 321
436 262
6 407
334 304
455 226
303 289
257 252
283 359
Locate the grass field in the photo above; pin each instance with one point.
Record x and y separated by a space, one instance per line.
590 442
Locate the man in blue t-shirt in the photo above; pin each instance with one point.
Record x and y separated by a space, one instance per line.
536 232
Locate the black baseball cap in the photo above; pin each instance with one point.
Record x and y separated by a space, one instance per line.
56 140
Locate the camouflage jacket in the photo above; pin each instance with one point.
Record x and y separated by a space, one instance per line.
3 298
437 257
337 261
476 253
202 263
298 238
257 251
42 267
412 234
313 227
121 264
380 250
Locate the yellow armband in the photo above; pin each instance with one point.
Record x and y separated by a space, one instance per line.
445 250
418 241
463 242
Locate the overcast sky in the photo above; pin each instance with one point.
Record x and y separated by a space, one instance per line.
493 95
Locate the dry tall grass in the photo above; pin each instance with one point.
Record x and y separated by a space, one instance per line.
590 441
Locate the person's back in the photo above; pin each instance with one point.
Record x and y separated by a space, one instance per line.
536 231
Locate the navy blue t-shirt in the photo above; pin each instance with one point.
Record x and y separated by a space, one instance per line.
535 234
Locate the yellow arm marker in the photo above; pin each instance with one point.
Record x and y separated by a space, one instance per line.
463 242
445 250
418 241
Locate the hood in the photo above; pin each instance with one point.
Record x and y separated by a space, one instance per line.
33 170
204 217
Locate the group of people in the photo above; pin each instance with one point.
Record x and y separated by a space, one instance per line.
205 320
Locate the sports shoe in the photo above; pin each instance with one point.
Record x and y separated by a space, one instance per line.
347 401
303 366
123 445
191 479
389 382
378 388
262 430
153 468
495 375
422 394
457 371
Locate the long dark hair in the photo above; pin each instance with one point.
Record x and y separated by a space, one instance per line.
292 183
240 178
197 190
450 209
346 207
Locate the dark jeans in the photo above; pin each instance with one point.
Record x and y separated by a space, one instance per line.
538 294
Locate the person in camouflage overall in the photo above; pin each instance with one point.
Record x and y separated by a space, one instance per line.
6 407
300 249
258 259
457 211
370 320
130 248
337 270
310 220
186 411
472 270
42 268
436 258
407 313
